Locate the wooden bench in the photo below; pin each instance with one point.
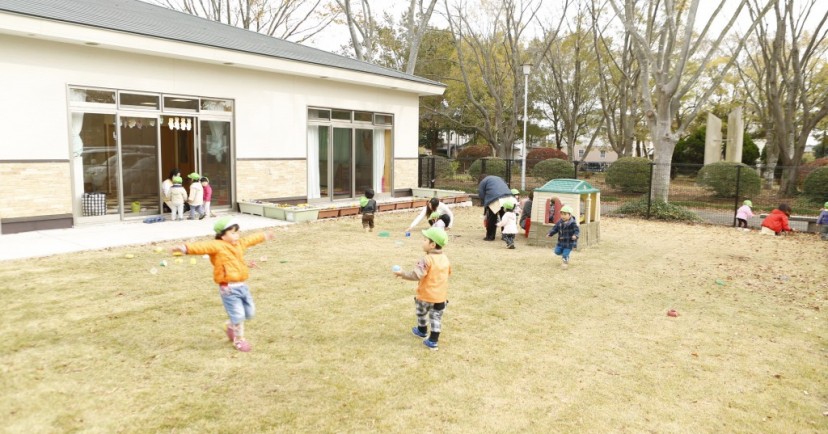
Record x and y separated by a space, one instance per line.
811 221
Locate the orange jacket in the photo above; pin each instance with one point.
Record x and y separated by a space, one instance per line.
777 221
227 259
433 287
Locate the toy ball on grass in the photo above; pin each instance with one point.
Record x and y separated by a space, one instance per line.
396 268
129 256
192 261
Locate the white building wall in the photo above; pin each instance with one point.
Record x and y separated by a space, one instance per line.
270 116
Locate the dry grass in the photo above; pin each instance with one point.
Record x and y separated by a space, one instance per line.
94 342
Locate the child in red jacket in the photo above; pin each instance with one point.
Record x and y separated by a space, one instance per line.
777 221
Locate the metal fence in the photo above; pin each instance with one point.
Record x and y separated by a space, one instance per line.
715 206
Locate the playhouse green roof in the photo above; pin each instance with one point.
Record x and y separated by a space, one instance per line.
564 185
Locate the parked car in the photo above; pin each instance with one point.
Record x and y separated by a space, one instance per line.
592 166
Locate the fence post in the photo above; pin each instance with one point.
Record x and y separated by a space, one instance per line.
575 176
433 172
736 200
419 171
650 195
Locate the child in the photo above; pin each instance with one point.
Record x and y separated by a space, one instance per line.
777 221
437 220
196 198
177 195
230 272
367 207
822 220
742 214
208 195
568 232
432 272
509 224
518 208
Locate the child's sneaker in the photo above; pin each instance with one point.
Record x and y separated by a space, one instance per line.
417 332
510 246
430 344
564 263
242 345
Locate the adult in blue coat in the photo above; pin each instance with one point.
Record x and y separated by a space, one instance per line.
493 193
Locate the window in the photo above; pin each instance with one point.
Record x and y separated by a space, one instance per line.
380 119
603 154
363 116
341 115
138 101
319 114
91 97
580 153
217 105
181 103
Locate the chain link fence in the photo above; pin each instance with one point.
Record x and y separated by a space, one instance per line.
713 195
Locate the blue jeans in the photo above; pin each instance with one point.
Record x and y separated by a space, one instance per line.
238 302
562 251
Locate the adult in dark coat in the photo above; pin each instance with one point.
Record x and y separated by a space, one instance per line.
492 192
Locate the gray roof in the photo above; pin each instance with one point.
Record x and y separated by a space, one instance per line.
136 17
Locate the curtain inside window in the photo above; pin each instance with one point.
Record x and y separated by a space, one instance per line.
77 127
313 162
379 160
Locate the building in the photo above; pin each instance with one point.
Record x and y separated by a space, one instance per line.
103 97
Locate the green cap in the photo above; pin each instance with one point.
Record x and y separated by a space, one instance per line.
363 201
194 176
438 235
177 180
509 205
434 215
515 191
748 203
567 209
826 205
224 223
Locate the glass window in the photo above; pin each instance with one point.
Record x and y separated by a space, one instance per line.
217 105
383 119
603 154
181 103
79 96
342 115
363 116
139 101
580 152
319 114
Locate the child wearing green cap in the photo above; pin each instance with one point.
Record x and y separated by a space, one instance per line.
432 272
230 272
822 220
743 214
368 207
196 198
177 195
437 220
509 224
568 232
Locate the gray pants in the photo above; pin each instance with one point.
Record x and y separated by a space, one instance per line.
430 313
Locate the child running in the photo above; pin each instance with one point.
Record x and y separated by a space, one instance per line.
230 272
432 271
568 232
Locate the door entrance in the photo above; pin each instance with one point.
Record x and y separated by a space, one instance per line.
178 147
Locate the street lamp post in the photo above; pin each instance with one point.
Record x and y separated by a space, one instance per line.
527 67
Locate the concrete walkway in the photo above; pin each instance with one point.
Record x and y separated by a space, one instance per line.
100 236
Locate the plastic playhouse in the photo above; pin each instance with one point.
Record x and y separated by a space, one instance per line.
585 201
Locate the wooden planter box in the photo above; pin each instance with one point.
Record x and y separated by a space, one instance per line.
351 210
328 213
274 212
403 205
447 200
386 207
251 208
301 215
418 203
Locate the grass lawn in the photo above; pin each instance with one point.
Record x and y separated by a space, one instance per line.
94 342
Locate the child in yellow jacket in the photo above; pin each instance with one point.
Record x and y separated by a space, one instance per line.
230 272
432 273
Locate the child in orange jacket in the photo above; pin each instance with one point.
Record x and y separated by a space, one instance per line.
777 221
230 272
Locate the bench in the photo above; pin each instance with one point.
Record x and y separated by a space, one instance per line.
811 221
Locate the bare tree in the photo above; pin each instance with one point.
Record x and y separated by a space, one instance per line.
295 20
362 27
797 97
618 73
490 52
663 46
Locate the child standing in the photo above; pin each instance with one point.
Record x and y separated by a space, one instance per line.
822 220
230 272
177 195
509 224
208 196
568 232
432 271
196 198
367 207
743 214
777 221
